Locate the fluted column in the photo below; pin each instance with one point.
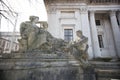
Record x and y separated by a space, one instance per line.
94 35
116 31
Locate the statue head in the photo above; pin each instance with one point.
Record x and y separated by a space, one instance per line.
34 18
79 33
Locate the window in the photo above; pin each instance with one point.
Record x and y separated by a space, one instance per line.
118 21
68 35
100 39
97 22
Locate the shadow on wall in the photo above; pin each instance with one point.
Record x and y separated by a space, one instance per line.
2 76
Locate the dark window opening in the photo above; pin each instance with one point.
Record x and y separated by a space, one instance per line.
100 39
97 22
68 35
118 22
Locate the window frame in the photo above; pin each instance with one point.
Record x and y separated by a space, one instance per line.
100 40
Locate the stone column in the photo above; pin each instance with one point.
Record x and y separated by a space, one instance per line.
86 30
116 31
94 35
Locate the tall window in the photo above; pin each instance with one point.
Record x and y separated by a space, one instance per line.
68 35
118 22
100 39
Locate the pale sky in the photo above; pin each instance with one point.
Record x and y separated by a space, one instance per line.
24 8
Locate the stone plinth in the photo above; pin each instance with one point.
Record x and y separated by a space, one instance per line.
39 66
45 73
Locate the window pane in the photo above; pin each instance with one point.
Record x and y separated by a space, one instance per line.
68 34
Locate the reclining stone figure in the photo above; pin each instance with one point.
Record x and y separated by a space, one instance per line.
37 38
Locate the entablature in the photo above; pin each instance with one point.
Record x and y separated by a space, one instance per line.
90 2
103 2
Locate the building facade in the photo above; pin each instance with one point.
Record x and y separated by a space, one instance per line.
99 20
8 42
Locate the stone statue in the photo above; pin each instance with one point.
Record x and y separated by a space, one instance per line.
37 38
32 37
80 47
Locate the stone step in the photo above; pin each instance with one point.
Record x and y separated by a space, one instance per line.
106 70
35 60
36 63
113 73
37 55
106 65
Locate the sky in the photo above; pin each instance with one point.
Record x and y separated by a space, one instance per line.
24 8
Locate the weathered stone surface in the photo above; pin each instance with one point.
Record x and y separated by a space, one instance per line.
42 68
50 73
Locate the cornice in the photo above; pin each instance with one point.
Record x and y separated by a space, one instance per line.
51 10
104 8
64 1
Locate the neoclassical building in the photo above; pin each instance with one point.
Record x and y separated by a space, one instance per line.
99 20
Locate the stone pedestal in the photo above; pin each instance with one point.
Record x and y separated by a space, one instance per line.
40 66
43 65
48 73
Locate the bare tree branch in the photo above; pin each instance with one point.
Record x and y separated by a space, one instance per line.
6 18
4 11
10 10
7 12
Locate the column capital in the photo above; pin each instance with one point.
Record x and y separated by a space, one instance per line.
118 10
83 9
92 11
51 10
113 12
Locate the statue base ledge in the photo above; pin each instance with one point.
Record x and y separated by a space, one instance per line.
40 66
